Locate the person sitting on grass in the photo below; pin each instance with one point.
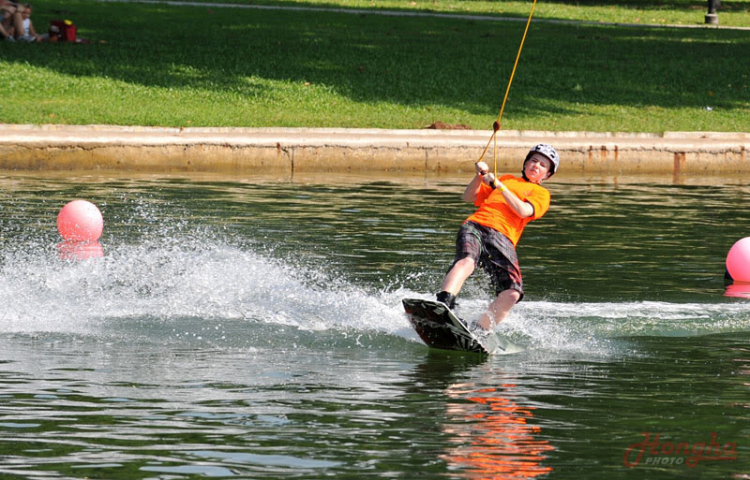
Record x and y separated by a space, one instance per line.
8 17
23 28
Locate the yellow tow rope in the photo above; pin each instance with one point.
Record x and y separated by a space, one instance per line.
496 125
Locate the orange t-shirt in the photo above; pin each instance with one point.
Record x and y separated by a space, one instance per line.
494 211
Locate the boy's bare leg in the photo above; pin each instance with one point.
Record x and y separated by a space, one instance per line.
499 309
457 275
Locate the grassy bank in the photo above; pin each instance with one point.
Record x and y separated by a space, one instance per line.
194 66
673 12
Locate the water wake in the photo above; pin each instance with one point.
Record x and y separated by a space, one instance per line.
209 281
182 279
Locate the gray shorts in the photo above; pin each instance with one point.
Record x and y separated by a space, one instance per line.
494 252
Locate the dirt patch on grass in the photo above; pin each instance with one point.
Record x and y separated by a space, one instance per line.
447 126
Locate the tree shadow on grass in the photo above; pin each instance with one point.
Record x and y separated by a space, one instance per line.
685 5
458 64
652 4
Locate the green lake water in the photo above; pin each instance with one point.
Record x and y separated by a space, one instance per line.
242 327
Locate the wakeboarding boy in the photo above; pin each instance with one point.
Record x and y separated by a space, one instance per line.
489 237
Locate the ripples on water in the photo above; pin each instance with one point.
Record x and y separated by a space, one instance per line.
253 329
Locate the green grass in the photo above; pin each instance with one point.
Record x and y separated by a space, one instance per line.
193 66
671 12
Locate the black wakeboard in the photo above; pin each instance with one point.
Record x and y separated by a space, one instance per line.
440 328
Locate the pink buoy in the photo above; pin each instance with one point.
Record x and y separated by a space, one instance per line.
80 221
738 260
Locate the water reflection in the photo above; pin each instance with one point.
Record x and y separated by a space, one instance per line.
490 429
492 436
74 250
738 289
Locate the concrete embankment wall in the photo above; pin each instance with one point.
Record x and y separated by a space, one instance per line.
286 150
